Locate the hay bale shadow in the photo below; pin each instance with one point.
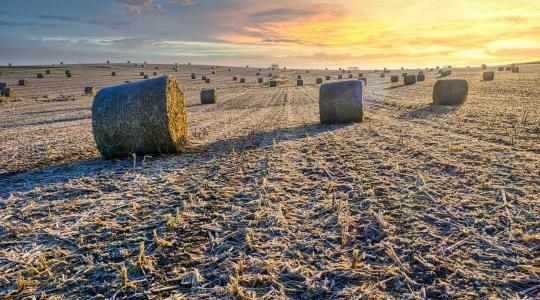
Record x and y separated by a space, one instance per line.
394 87
431 110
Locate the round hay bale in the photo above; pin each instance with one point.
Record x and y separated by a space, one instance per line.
299 77
394 78
299 82
421 77
193 76
203 77
450 92
307 71
269 74
113 73
128 62
108 62
67 72
444 73
189 64
340 77
449 72
230 69
208 96
141 73
273 83
235 78
328 77
409 79
47 72
7 92
508 68
515 69
260 80
420 72
349 71
207 80
90 90
404 74
260 69
501 69
488 76
3 85
213 72
39 75
484 67
23 82
68 75
143 117
382 75
360 75
257 74
364 79
350 75
145 76
60 63
341 102
155 73
318 80
242 80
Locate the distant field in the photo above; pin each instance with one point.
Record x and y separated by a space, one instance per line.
438 201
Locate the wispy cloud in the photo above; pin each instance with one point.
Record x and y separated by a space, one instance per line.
114 24
137 6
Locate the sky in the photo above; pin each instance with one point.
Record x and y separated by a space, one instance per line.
298 34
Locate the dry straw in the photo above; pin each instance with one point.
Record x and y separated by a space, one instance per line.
144 117
341 102
450 92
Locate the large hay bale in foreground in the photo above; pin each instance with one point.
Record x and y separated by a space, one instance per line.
23 82
394 78
421 77
341 102
143 117
318 80
7 92
488 76
299 82
450 92
208 96
409 79
90 90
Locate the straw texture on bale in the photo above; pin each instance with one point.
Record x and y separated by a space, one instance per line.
208 96
7 92
242 80
421 77
450 92
488 76
23 82
341 102
260 80
319 80
299 82
409 79
90 90
273 83
394 78
144 117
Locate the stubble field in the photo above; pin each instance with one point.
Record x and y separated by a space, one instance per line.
419 201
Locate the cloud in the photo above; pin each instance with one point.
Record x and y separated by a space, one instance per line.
183 2
114 24
281 14
137 6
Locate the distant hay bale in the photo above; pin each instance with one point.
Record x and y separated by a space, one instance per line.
90 90
484 67
154 73
420 72
9 65
68 74
444 73
299 82
328 77
341 102
515 69
144 117
113 73
208 96
269 74
247 66
39 75
108 62
394 78
501 69
404 74
402 69
193 76
299 77
349 71
203 77
488 76
340 77
343 71
260 80
421 77
437 67
230 69
3 85
145 76
260 69
141 73
273 83
207 80
212 67
318 80
213 72
23 82
242 80
409 79
136 65
360 74
47 72
7 92
450 92
350 75
189 64
60 63
128 62
508 68
307 71
257 74
364 79
382 75
235 78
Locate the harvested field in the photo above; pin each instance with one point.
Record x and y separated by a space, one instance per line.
417 201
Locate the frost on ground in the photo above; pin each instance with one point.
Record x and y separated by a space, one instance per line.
417 202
